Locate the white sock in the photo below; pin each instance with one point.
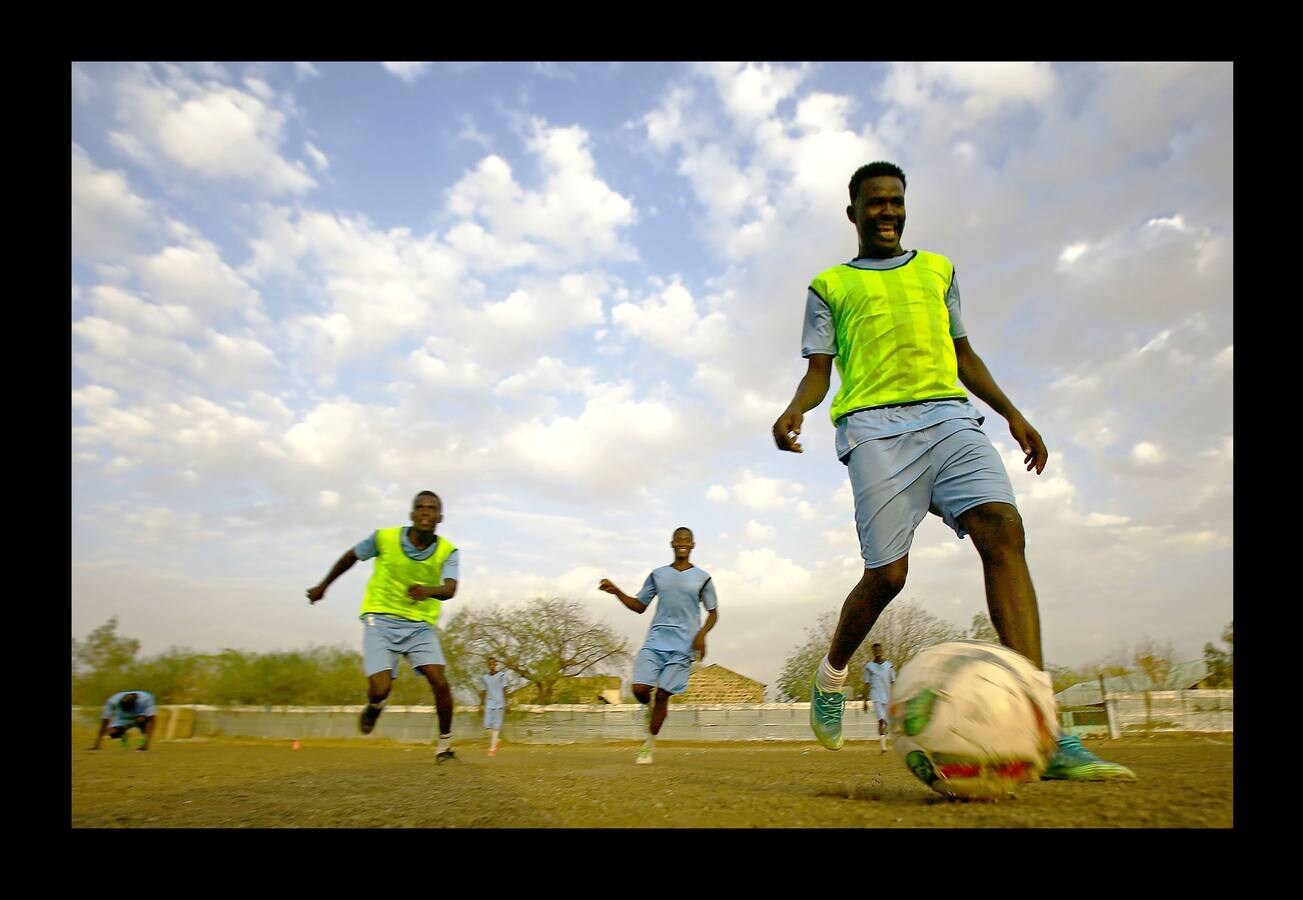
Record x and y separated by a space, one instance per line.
650 742
830 679
376 704
493 739
882 739
445 742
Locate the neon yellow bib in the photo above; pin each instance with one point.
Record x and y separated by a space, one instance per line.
395 572
893 333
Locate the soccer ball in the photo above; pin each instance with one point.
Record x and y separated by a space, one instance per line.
972 719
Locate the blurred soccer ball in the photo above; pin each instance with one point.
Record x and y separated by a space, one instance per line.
972 719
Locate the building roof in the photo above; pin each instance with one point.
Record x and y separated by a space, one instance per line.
1185 675
716 684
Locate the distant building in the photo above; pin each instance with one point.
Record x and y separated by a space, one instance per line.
716 684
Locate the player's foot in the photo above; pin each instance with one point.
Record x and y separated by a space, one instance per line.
493 751
1073 762
826 717
366 723
444 755
644 757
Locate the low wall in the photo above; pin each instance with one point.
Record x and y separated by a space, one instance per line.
523 724
1124 714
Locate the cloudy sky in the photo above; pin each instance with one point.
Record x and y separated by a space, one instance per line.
568 298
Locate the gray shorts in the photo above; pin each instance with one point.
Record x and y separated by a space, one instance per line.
946 469
493 718
385 638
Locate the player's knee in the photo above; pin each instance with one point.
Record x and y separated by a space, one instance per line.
662 696
996 528
642 692
116 733
886 581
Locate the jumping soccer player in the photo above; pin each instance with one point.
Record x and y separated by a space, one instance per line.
126 710
493 698
912 442
415 570
879 675
674 639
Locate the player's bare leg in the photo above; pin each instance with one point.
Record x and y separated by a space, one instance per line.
443 707
643 694
378 687
997 532
865 603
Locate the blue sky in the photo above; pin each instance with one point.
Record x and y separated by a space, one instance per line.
569 297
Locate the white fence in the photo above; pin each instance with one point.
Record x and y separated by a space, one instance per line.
1128 713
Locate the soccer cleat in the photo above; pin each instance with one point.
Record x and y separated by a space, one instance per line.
644 757
444 755
826 717
1073 762
366 723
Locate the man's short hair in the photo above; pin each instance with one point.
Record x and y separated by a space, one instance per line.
683 528
874 170
128 703
426 494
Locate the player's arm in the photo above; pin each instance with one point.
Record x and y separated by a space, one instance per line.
632 602
148 728
977 378
344 563
699 642
445 591
809 394
104 726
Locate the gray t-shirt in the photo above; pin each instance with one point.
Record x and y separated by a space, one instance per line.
818 335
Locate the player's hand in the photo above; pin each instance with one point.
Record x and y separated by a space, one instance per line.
316 593
1029 439
787 428
699 646
606 585
419 592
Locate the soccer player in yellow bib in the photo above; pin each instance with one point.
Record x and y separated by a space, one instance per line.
911 441
415 571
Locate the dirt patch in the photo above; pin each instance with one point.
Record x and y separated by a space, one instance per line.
1186 781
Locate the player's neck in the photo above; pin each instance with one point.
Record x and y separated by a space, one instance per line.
681 564
420 539
876 253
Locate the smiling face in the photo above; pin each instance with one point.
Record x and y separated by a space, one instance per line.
878 214
682 543
427 512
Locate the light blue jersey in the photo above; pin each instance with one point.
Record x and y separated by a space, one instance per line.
678 616
819 336
114 712
366 549
879 677
494 687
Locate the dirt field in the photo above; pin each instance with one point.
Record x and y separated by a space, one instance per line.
1185 782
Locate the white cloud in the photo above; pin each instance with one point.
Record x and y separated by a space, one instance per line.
757 492
1148 454
318 158
670 321
717 493
757 532
108 219
407 71
547 375
211 129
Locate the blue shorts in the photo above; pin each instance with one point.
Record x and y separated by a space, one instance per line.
385 638
946 469
493 717
880 711
667 669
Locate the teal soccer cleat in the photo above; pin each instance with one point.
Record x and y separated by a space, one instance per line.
826 717
1074 762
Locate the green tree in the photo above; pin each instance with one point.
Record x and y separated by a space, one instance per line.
1221 663
983 629
101 663
542 642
